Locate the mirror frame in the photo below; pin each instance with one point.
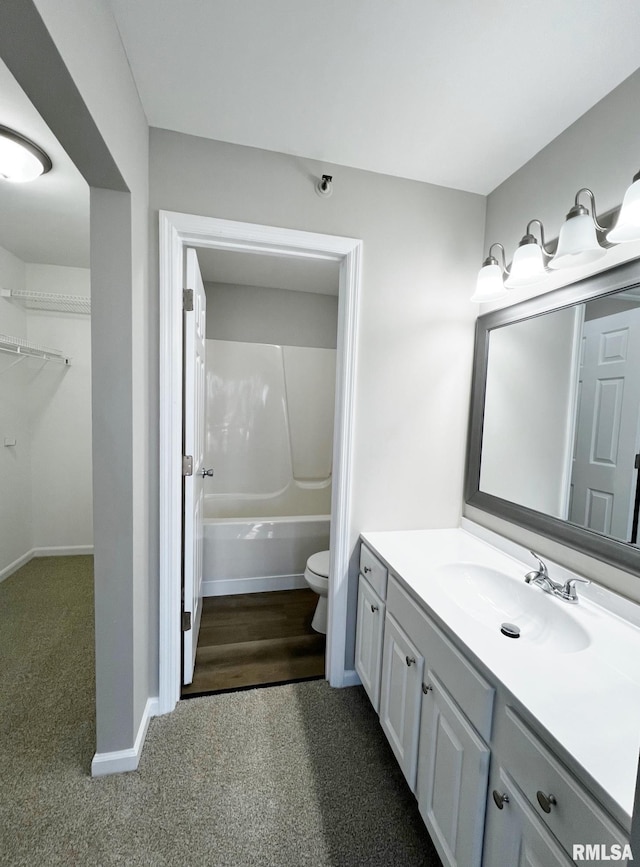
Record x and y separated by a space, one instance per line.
622 555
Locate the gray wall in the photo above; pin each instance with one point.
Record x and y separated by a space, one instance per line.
83 88
601 151
421 249
256 314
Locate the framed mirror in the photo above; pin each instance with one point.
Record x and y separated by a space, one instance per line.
554 435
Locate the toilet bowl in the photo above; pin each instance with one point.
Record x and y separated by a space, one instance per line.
317 577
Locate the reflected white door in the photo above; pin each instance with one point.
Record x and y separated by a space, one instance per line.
194 423
604 477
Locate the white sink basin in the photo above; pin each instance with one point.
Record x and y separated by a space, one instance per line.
492 598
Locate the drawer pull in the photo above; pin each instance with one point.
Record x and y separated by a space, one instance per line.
410 660
374 608
546 801
426 688
500 799
367 569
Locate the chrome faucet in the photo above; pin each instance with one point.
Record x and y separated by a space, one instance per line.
540 576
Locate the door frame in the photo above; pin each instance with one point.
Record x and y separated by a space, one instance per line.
178 231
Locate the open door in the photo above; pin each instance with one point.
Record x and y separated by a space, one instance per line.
194 472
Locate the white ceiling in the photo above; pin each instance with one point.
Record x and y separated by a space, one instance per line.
279 272
459 93
47 220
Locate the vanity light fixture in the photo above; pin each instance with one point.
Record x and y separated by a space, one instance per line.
578 242
490 285
627 227
528 265
20 159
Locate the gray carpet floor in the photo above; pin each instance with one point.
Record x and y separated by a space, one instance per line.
291 775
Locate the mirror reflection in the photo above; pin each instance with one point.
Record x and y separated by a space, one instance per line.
561 429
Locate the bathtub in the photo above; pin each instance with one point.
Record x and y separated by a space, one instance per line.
251 555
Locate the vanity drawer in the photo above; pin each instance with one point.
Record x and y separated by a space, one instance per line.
470 690
374 571
575 817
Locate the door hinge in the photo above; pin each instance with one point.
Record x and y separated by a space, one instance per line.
187 300
187 465
186 621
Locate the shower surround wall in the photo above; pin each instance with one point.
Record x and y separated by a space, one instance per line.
269 437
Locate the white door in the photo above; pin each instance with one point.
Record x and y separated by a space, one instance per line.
194 423
603 478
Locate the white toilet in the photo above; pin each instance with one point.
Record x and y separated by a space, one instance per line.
317 577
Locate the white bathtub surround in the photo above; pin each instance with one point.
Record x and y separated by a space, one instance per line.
584 694
269 438
269 417
253 556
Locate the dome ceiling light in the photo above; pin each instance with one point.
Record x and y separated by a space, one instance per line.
20 159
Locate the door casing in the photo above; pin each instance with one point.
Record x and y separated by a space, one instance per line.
178 231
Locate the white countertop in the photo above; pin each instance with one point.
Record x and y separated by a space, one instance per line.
588 701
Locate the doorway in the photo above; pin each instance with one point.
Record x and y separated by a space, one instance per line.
258 496
177 232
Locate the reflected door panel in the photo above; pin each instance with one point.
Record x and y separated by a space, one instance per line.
603 478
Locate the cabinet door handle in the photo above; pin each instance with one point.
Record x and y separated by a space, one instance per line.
500 798
546 801
374 608
366 570
410 660
426 688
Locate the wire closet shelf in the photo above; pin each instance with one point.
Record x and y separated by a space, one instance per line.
25 349
53 301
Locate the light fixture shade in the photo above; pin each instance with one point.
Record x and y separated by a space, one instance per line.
627 227
20 159
527 267
489 286
578 243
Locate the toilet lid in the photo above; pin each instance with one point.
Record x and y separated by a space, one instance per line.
319 563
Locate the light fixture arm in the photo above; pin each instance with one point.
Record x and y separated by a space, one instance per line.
530 237
580 209
491 260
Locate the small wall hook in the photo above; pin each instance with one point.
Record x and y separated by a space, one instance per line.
324 187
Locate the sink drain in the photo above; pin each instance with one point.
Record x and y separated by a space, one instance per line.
510 630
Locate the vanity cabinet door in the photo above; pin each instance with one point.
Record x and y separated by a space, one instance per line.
514 835
369 632
401 689
453 772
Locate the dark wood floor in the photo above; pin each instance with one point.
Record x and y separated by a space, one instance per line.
256 639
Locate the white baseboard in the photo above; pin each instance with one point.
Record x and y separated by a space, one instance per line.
232 586
13 567
69 551
59 551
125 760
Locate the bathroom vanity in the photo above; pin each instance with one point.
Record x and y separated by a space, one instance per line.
517 749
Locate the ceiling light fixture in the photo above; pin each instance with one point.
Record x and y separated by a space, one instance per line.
20 159
490 285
